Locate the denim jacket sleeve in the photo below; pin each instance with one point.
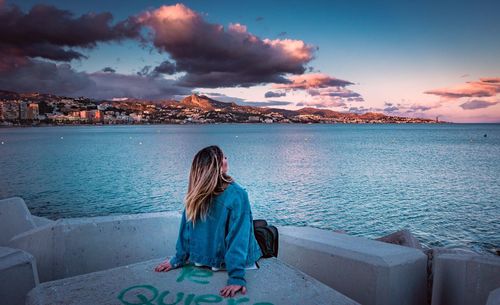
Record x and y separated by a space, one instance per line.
237 237
181 247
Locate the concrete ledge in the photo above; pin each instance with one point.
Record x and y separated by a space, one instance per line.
41 221
368 271
69 247
274 283
15 218
494 297
464 279
18 275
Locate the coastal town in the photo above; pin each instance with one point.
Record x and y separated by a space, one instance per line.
35 109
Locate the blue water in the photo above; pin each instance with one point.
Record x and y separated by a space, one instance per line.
442 182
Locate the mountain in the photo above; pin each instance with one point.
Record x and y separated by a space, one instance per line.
208 105
205 103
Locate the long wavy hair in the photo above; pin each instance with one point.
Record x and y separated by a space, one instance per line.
206 180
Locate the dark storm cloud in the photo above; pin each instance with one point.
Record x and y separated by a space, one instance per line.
46 31
45 77
61 79
107 86
214 56
205 54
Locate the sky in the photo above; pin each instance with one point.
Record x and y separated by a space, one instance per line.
409 58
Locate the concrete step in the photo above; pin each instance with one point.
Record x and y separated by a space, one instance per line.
15 218
274 282
18 275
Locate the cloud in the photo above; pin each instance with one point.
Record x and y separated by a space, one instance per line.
46 32
323 103
362 109
485 87
47 77
340 92
312 81
264 104
274 94
107 86
477 104
221 97
325 91
62 79
145 71
391 109
166 67
213 56
404 109
490 80
108 69
415 108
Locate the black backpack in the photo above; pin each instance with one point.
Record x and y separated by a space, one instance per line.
267 236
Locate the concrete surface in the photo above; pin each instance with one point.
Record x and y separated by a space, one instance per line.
368 271
274 283
18 275
41 221
494 297
69 247
464 279
15 218
365 270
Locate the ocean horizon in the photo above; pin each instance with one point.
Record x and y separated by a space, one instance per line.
439 181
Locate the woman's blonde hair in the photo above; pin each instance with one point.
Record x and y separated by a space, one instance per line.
206 180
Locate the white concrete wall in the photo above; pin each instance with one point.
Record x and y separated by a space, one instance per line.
15 218
367 271
18 275
76 246
494 297
41 221
464 279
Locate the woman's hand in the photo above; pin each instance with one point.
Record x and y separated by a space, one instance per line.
230 290
165 266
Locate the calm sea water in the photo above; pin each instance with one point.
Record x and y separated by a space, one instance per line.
442 182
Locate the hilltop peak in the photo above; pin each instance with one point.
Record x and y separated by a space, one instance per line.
198 101
204 102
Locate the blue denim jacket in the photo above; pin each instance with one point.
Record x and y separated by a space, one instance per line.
224 240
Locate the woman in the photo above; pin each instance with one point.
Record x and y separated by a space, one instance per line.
217 227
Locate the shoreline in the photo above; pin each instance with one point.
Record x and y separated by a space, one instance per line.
238 123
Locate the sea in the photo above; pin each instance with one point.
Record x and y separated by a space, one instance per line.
439 181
